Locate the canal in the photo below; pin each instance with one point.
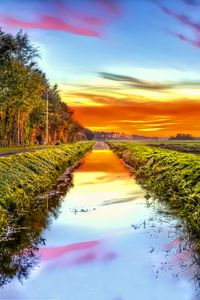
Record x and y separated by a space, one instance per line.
106 241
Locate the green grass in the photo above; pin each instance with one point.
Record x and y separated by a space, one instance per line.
171 176
23 176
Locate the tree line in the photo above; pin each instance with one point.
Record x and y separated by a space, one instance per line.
25 117
182 136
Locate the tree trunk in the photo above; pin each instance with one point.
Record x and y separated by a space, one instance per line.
18 128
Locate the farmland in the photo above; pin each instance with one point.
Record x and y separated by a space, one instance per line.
168 175
192 147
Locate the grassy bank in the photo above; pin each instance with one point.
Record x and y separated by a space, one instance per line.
171 176
23 176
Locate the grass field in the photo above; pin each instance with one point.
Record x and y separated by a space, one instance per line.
171 176
180 146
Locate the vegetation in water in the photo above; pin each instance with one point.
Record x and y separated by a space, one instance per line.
169 175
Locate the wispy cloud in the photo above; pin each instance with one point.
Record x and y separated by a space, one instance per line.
191 2
183 19
52 23
72 20
135 82
146 121
78 16
148 85
112 6
151 129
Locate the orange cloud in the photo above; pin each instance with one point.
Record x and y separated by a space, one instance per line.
132 105
132 116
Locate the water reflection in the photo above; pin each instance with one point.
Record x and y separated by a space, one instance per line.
21 239
106 243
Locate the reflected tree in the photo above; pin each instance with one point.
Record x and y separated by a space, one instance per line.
21 238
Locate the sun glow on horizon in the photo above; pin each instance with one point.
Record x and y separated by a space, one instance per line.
134 111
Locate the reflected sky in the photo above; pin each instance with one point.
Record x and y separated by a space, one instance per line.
104 246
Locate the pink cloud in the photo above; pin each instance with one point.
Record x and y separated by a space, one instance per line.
78 16
111 6
184 38
72 20
53 23
185 20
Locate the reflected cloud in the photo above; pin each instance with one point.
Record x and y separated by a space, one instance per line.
54 252
99 163
77 254
123 200
84 259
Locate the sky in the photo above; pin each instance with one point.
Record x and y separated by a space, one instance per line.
122 65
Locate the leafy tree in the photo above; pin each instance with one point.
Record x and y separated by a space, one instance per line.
23 95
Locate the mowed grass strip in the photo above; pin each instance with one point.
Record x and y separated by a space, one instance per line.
171 176
23 176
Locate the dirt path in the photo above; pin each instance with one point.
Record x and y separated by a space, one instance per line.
11 152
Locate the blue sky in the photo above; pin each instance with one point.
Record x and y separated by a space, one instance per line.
135 39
